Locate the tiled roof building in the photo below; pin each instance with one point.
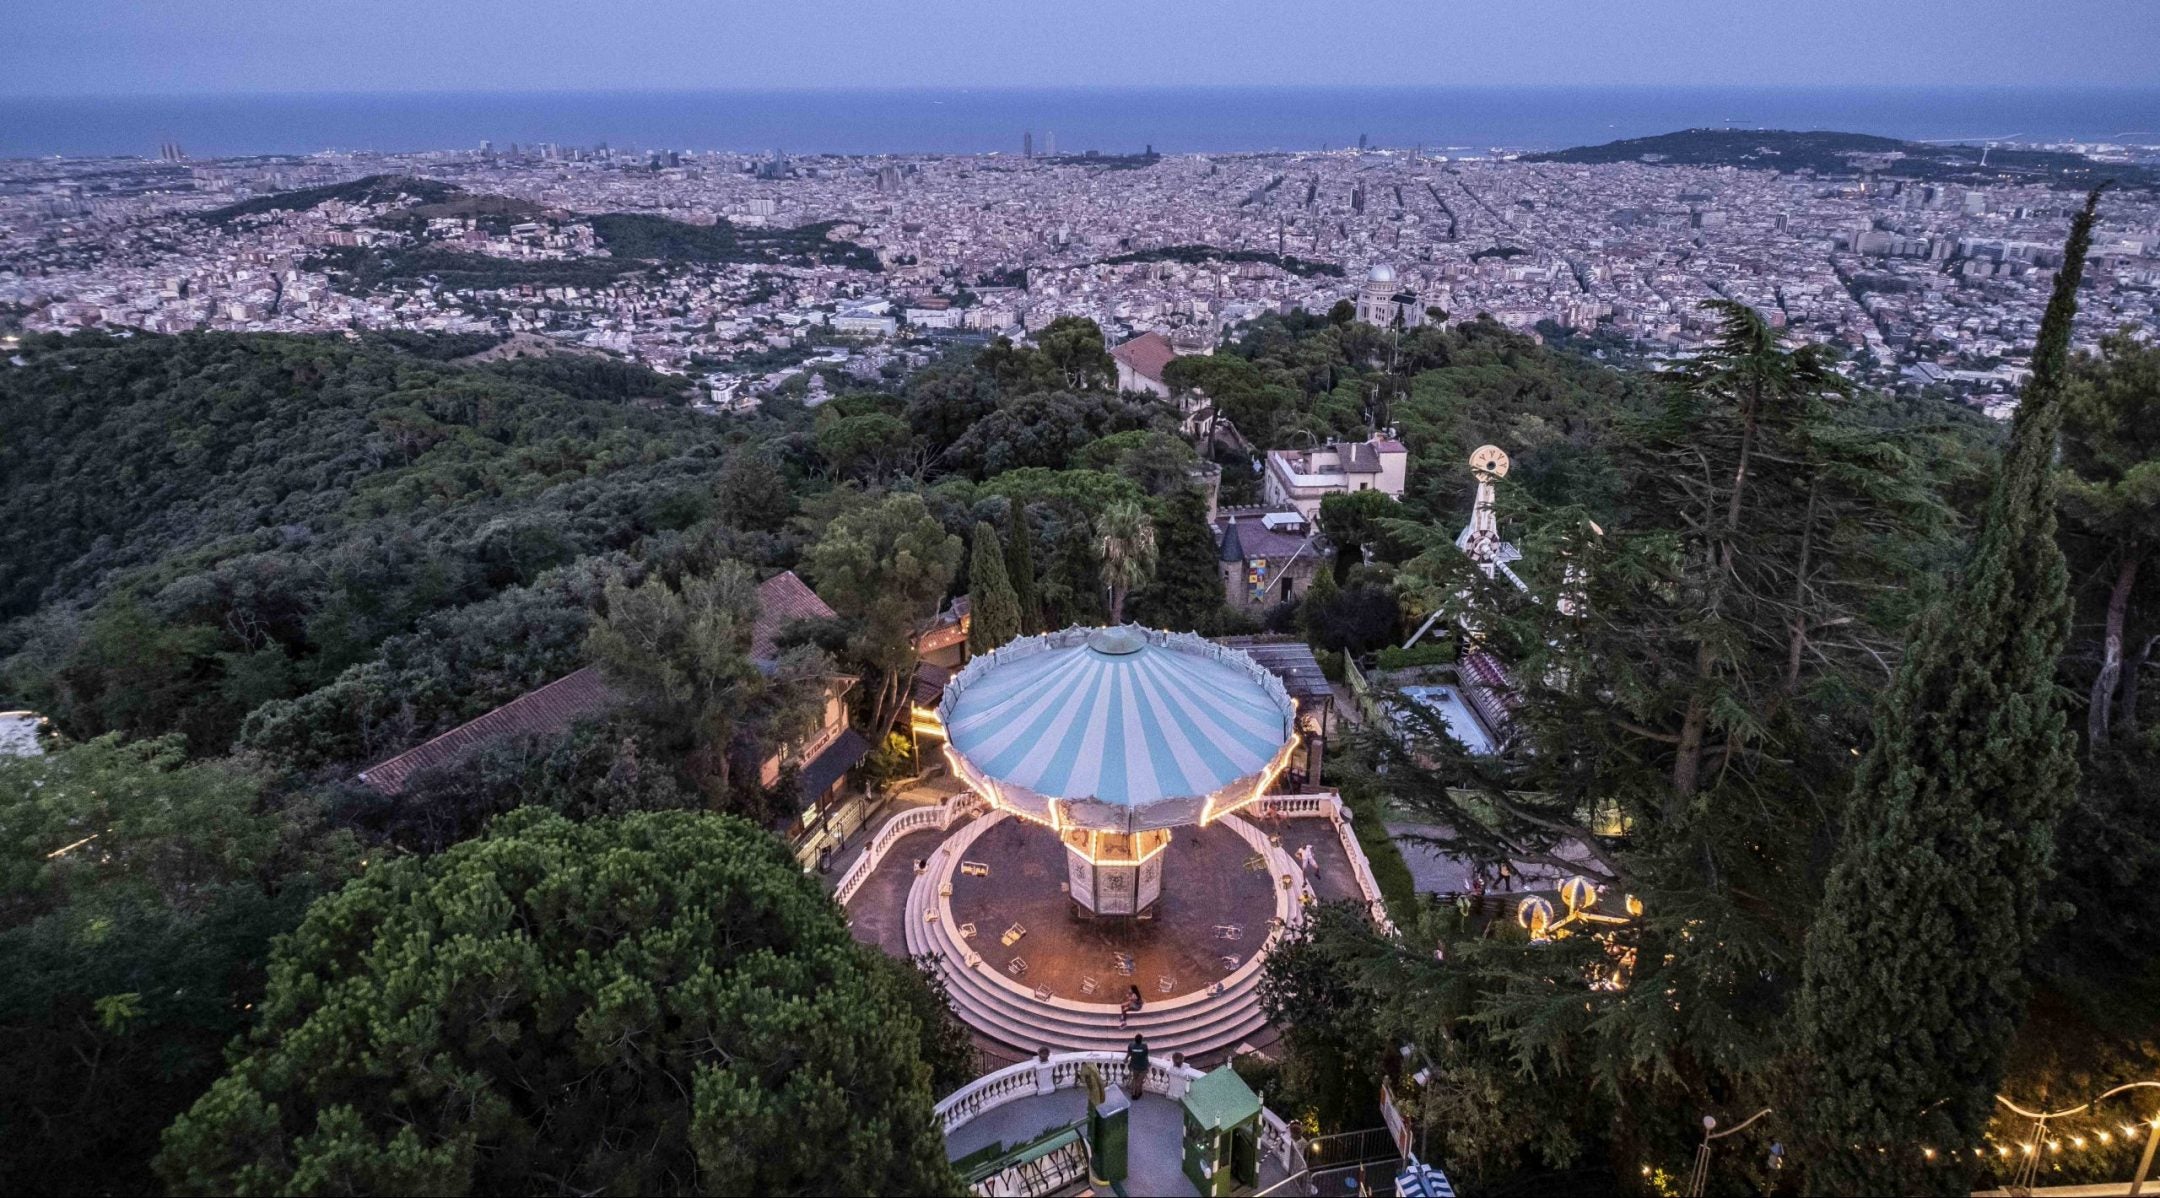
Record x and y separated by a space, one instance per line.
553 708
783 599
1140 363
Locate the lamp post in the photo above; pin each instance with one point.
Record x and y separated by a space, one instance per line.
2029 1168
1701 1176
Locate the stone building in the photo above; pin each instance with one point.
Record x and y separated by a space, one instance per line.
1268 556
1301 478
1385 302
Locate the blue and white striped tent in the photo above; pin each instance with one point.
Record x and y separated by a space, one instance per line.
1422 1181
1118 729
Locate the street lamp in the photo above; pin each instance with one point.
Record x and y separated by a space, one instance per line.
1701 1176
2029 1167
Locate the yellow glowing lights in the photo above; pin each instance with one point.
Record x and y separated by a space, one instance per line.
65 849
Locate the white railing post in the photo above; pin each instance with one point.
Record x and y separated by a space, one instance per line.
941 817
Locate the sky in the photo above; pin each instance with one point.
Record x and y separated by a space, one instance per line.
158 47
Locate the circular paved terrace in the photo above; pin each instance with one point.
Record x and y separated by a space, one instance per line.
1214 914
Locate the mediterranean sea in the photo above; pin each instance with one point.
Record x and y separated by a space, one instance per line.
1443 120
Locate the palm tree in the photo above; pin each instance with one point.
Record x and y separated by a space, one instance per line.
1127 537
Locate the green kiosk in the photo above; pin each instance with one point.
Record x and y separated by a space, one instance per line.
1222 1133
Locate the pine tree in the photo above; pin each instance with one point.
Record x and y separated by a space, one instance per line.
1186 593
1912 977
1020 571
993 609
1318 597
657 1004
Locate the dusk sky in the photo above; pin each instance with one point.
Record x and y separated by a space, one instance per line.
85 47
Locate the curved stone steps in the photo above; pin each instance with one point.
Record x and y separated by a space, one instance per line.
1191 1024
1217 1024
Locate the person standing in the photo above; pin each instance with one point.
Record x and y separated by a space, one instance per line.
1136 1063
1507 877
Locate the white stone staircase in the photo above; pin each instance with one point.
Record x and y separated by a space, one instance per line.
1010 1013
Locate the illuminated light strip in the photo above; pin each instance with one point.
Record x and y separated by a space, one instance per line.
1089 855
69 848
1274 770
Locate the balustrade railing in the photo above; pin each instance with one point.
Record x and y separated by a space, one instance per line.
1336 812
940 817
1061 1072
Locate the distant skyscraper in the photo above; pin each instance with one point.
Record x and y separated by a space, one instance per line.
1027 144
1361 141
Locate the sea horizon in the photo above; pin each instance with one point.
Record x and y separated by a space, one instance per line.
975 120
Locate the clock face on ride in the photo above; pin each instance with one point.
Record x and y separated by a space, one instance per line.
1489 460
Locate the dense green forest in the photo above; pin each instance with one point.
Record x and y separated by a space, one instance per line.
635 235
1194 254
634 241
1790 657
361 269
1831 153
372 189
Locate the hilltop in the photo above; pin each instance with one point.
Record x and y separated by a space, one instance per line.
1826 152
370 189
632 240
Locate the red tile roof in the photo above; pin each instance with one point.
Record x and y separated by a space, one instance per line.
1146 355
782 600
552 708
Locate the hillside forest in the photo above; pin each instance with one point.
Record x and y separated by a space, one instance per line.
1843 687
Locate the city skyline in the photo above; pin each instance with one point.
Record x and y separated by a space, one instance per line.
109 48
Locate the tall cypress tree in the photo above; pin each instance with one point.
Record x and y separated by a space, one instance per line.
993 610
1186 594
1912 979
1020 571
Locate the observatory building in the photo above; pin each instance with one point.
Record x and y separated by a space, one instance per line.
1385 302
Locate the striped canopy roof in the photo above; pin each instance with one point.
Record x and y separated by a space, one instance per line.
1121 729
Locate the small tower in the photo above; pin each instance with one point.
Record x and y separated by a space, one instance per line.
1481 539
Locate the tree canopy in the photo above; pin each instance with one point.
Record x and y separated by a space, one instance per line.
660 1003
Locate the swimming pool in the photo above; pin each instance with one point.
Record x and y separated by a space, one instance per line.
1455 710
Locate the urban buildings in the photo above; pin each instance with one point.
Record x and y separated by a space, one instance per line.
1925 286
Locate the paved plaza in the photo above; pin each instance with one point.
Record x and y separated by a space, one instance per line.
1216 905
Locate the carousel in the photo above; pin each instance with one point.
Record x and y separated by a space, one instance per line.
1112 738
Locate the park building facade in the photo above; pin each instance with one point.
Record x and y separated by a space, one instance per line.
1301 478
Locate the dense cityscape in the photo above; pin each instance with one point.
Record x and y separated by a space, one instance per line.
1920 284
